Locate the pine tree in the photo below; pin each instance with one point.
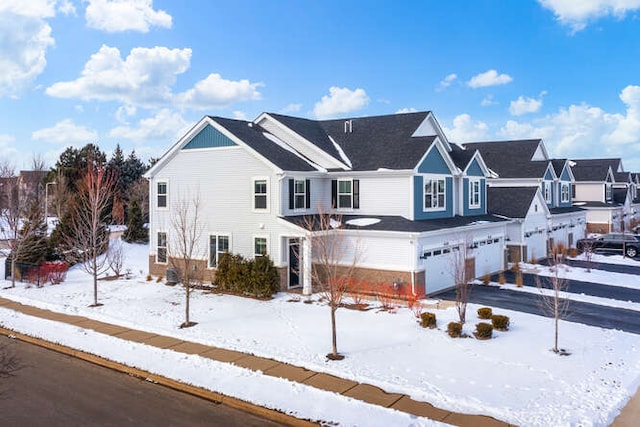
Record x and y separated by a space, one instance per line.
35 248
136 232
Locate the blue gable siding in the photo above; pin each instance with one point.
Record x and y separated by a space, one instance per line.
466 210
418 201
434 163
548 176
474 169
209 138
565 175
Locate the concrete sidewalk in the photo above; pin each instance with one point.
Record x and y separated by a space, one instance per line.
365 392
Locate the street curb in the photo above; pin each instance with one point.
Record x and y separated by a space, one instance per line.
270 414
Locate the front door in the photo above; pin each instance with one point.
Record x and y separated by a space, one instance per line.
294 263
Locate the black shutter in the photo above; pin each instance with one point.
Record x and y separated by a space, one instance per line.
307 190
334 193
356 194
291 195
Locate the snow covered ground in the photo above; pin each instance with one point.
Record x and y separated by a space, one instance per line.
513 377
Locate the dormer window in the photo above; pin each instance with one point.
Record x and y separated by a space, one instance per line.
474 193
564 193
547 192
608 196
434 194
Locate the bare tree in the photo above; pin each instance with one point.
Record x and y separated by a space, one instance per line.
334 263
87 235
587 248
17 202
183 249
555 303
461 259
115 256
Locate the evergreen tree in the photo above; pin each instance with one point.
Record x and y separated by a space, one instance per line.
34 247
136 232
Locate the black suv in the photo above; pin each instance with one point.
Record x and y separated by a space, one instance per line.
611 242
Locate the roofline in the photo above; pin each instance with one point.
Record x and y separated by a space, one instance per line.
453 169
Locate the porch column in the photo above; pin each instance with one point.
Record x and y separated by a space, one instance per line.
306 267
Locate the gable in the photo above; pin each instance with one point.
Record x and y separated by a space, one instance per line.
565 175
540 153
609 176
434 162
474 168
548 175
538 206
209 137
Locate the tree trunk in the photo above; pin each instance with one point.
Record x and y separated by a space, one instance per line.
334 340
13 270
188 290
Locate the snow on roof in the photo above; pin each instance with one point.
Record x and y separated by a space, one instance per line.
363 222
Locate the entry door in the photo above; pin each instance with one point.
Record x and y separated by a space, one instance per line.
294 263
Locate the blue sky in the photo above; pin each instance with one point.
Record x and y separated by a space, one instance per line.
141 72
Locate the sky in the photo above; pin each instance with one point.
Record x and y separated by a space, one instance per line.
140 73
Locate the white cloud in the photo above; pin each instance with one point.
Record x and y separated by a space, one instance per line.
291 108
446 82
6 147
145 78
166 126
489 78
578 13
406 110
66 132
239 115
66 7
340 101
487 101
25 37
524 105
627 130
123 112
125 15
465 129
216 92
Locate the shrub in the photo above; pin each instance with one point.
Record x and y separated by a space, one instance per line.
501 279
159 279
499 322
486 279
519 279
573 252
149 277
256 277
454 329
485 312
483 331
428 320
54 271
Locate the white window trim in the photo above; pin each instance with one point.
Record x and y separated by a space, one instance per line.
228 235
547 191
472 181
339 180
432 178
304 195
155 190
608 192
253 194
166 248
564 190
260 236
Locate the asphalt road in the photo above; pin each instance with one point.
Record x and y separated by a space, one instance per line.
579 312
58 390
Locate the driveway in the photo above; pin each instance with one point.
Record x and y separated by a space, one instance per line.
580 312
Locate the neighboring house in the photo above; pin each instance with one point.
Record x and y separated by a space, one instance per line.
407 198
594 184
525 164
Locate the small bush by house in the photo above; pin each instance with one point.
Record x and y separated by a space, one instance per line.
484 331
500 322
485 312
428 320
454 329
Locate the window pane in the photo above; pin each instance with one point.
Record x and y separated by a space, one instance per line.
260 246
260 201
427 201
299 186
440 200
344 201
344 186
223 243
441 185
212 251
261 187
299 202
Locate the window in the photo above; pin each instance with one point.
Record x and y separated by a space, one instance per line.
260 194
564 192
608 192
547 191
162 195
474 193
260 246
299 193
434 194
345 193
217 246
161 252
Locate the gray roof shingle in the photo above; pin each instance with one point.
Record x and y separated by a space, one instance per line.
593 169
511 159
511 202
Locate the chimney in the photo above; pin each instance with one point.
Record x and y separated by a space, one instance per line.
348 126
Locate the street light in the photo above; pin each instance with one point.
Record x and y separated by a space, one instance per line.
46 201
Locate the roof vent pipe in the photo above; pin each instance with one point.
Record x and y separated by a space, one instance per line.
348 126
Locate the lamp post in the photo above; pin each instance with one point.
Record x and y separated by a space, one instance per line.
46 201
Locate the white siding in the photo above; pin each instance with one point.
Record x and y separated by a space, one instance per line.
589 192
385 195
380 252
223 180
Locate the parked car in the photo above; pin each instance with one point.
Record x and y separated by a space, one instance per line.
628 244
